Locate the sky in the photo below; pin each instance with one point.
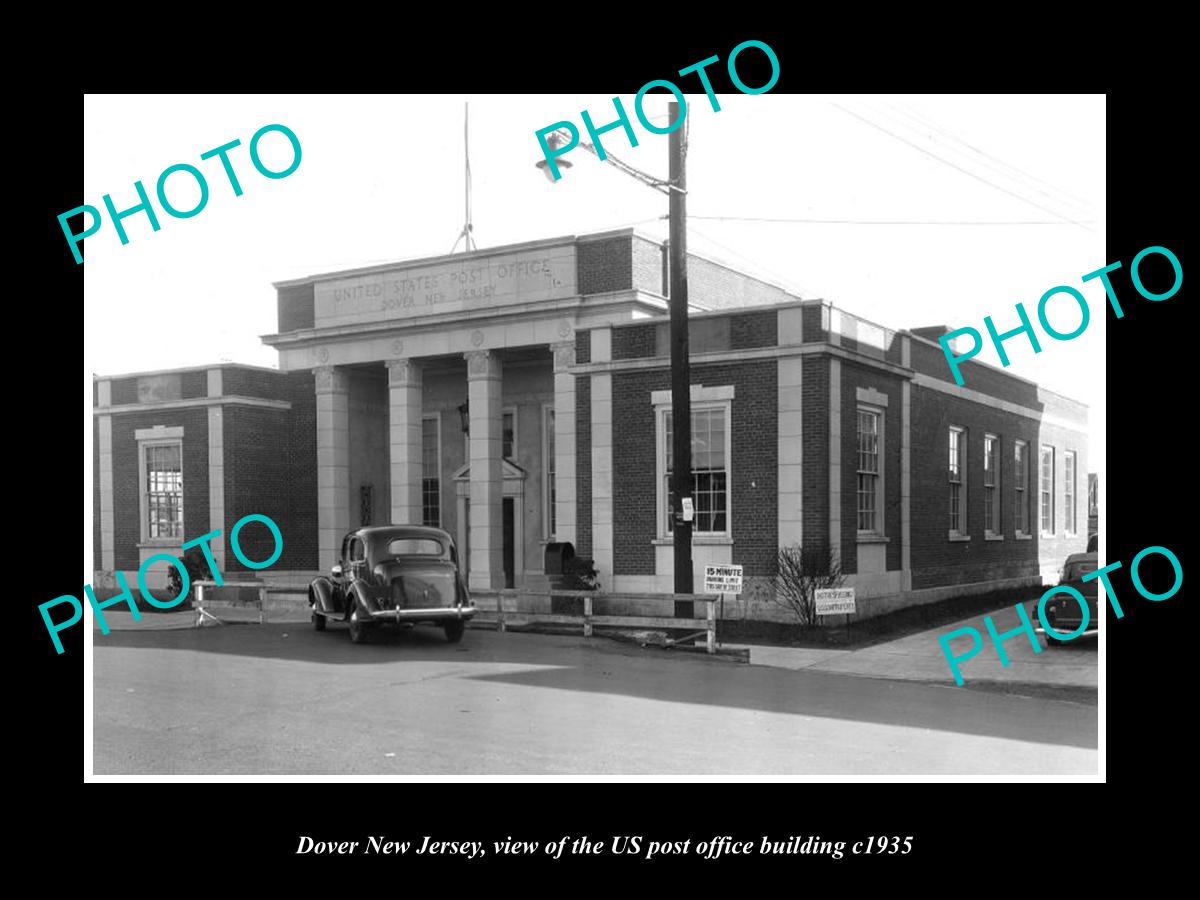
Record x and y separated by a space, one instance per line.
905 210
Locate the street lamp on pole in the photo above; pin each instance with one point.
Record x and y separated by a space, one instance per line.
675 187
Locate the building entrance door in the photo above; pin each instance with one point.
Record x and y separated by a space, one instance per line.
509 567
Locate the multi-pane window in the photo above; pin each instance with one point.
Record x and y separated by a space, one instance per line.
1069 499
551 492
164 490
991 484
1021 492
508 439
710 474
431 481
958 481
869 472
1047 488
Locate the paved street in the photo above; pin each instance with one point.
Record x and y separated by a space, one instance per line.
1067 671
282 699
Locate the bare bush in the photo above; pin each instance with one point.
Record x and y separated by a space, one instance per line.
802 571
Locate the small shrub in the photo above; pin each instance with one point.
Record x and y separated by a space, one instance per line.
802 571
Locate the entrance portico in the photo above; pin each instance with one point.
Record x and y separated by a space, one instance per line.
459 365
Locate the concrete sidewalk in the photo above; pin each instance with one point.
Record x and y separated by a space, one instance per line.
919 657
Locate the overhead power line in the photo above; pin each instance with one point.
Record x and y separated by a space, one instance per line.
959 168
877 221
1054 193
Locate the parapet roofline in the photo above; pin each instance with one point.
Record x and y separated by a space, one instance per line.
561 241
181 370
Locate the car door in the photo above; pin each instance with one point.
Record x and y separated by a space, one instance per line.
356 561
342 581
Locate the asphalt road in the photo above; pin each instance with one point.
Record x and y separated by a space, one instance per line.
285 700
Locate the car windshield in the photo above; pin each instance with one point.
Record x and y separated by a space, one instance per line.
424 589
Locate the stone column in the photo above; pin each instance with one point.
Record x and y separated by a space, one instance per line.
564 441
487 485
333 462
404 425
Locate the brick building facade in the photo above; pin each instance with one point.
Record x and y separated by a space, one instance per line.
521 395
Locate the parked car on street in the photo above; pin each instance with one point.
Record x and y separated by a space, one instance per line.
1062 610
393 574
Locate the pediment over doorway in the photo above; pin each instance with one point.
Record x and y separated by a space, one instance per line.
509 471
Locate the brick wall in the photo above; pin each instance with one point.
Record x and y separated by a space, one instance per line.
583 347
127 478
714 286
604 265
812 321
296 307
930 360
649 270
936 559
124 390
194 384
257 480
244 382
853 377
750 330
300 530
635 342
754 494
635 470
583 465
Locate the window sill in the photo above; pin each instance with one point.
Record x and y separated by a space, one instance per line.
873 539
697 541
1023 537
959 537
990 536
1049 535
158 543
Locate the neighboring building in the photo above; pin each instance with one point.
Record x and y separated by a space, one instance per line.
521 395
1093 503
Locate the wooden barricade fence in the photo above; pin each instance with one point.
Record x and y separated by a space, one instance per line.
202 607
589 619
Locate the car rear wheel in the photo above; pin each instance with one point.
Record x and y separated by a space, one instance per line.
454 631
318 621
358 632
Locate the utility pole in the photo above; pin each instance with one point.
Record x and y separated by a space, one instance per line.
681 397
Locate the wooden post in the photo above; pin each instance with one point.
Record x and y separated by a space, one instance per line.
712 628
500 611
587 616
262 604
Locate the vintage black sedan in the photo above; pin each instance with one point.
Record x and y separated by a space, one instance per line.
393 574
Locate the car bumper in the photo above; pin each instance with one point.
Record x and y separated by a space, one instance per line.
434 614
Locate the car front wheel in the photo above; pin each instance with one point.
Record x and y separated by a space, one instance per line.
454 631
358 632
